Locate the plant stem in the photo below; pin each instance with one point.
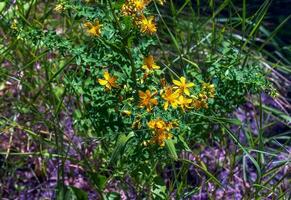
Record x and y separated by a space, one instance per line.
128 52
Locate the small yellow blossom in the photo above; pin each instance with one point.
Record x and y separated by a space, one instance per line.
147 25
161 2
126 112
170 97
137 122
163 82
183 86
184 102
109 81
159 138
59 8
208 89
147 100
93 29
14 25
200 101
126 10
149 64
198 104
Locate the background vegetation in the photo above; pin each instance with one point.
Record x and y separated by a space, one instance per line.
65 136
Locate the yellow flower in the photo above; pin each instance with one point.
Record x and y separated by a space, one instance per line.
147 25
183 86
149 64
208 89
170 97
147 100
139 5
161 2
108 82
93 29
184 102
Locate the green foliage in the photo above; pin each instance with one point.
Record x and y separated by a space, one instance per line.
235 78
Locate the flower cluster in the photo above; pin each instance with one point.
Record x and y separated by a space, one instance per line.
135 9
178 95
201 100
161 131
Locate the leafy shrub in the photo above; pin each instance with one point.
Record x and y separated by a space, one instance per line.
125 91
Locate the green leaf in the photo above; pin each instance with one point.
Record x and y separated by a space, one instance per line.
98 180
70 193
277 113
256 164
231 121
112 196
181 138
159 191
78 193
120 145
2 6
204 169
172 150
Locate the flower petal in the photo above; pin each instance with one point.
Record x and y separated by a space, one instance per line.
106 75
178 83
186 91
190 84
183 80
102 81
154 101
156 66
174 104
166 105
141 94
